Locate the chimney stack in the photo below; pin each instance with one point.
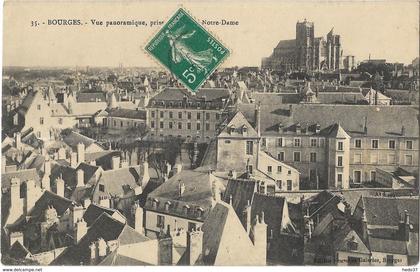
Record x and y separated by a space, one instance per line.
80 153
101 244
246 218
138 217
80 178
181 188
18 140
80 230
60 186
194 245
94 254
73 159
115 162
165 244
257 117
259 238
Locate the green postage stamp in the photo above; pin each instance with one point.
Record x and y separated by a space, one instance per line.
187 50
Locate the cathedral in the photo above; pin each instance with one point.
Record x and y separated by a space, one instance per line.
306 52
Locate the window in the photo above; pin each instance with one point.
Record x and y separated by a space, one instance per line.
188 125
314 142
161 124
296 142
340 161
170 125
162 114
198 126
41 120
153 114
160 222
217 116
391 144
296 156
179 115
249 147
340 146
339 178
189 115
60 121
179 125
374 158
121 124
269 169
409 144
191 226
38 134
289 185
207 116
353 261
389 260
372 175
357 176
207 126
375 144
101 187
280 142
408 159
357 158
312 157
280 156
263 142
289 172
279 169
171 114
152 124
198 116
391 158
249 169
278 182
115 123
38 107
358 143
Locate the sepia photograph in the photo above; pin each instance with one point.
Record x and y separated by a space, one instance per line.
201 133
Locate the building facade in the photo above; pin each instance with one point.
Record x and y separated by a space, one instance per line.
178 113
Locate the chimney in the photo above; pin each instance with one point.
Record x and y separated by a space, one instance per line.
402 131
59 186
101 244
18 141
94 254
165 245
246 218
16 203
115 162
259 238
45 182
80 153
138 218
404 226
298 128
73 159
80 178
234 174
280 127
80 230
194 245
365 129
181 188
32 194
257 117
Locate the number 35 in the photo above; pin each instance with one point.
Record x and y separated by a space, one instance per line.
189 75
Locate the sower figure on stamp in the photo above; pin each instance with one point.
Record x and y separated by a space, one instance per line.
180 50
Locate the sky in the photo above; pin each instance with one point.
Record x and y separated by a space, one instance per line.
385 30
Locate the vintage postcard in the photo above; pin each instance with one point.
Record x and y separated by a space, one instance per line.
204 133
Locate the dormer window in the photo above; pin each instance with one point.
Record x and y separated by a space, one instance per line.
185 209
244 130
200 212
167 205
155 203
